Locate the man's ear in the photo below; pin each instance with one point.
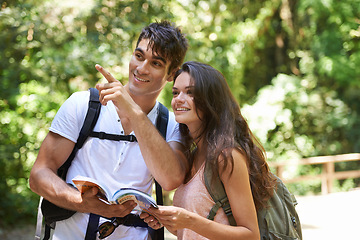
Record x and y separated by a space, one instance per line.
172 75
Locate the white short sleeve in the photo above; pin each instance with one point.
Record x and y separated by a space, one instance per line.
70 117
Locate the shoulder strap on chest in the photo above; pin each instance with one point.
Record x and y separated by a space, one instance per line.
162 120
161 125
90 120
217 192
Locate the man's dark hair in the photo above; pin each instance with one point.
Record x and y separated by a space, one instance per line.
167 41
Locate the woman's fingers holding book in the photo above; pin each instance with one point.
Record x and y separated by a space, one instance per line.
173 218
144 215
155 224
150 220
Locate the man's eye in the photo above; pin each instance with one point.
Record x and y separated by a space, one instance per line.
158 64
138 56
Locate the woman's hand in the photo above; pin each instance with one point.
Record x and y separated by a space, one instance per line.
151 220
173 218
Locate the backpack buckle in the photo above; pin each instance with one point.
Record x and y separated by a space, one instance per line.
132 138
102 135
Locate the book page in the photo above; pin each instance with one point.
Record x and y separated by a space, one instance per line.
143 200
83 184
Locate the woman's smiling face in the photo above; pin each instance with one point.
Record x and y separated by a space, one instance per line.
183 102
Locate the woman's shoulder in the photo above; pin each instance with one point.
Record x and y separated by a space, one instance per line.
232 162
232 154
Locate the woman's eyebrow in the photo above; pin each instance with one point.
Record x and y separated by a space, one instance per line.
188 87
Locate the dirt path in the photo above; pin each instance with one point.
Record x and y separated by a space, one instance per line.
331 217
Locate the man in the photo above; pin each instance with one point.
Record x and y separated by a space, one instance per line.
127 109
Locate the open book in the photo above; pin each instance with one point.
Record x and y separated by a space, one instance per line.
144 200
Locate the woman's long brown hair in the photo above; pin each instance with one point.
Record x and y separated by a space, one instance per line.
224 128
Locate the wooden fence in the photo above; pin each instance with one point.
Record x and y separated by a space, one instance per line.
328 173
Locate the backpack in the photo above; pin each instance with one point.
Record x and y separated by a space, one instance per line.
51 212
279 221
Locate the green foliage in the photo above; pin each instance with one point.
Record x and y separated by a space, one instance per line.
292 65
21 133
294 119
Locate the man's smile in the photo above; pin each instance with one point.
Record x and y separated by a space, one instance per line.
140 79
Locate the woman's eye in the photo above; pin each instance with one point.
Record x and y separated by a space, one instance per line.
190 93
174 93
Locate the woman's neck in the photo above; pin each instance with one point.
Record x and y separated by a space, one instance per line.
200 155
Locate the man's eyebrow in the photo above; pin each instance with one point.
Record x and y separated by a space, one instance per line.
139 50
160 58
156 57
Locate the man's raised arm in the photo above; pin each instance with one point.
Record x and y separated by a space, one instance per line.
166 161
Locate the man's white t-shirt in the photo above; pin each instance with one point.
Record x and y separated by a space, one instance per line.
116 163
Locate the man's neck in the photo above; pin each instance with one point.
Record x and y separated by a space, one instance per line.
145 102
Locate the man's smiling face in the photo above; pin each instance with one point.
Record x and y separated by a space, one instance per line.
148 72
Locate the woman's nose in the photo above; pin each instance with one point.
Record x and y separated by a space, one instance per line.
180 97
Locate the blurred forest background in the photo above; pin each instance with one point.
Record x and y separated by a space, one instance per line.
293 65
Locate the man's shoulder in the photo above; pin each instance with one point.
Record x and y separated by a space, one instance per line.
78 100
80 96
172 117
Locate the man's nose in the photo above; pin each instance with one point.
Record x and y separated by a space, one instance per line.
143 68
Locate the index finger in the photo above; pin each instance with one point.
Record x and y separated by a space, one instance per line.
110 78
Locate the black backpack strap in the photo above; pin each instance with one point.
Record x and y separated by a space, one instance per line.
217 192
162 120
92 227
47 232
113 137
161 125
90 120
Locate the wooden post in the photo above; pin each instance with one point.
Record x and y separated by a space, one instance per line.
328 177
328 174
280 171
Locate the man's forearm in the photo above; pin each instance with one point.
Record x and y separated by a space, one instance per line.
46 183
167 164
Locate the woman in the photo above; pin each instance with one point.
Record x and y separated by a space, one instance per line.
215 132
